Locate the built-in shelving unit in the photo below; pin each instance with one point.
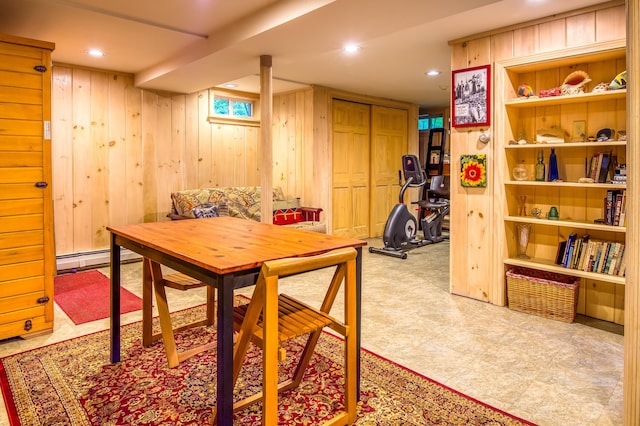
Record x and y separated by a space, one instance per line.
580 205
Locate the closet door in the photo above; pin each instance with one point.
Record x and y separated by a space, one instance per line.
388 145
351 190
27 255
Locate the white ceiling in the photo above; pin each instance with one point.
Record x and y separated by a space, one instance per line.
188 45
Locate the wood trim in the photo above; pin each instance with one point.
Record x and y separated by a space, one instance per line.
631 386
615 48
525 24
265 146
27 42
216 119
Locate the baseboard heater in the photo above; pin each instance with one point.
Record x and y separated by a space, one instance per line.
92 259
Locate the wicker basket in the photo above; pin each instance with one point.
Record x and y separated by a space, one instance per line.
545 294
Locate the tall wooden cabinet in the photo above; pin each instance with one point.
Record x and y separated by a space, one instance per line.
580 205
27 253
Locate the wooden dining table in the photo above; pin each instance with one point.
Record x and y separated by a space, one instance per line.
227 253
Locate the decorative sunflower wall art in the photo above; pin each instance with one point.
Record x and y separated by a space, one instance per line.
473 170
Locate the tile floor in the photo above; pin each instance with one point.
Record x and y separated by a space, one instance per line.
545 371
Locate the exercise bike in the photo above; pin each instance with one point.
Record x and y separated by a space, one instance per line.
400 230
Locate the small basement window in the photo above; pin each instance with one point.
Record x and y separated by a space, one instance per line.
233 107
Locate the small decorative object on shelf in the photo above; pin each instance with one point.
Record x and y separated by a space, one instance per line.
553 213
553 166
520 172
525 90
546 93
551 135
522 207
536 212
605 134
540 167
522 234
600 87
620 82
574 83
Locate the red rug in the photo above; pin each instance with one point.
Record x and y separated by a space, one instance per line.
73 383
85 296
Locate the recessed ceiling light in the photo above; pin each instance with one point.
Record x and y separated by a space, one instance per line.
351 48
230 85
95 52
432 72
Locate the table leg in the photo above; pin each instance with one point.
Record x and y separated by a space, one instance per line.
147 304
358 316
115 300
352 352
270 352
224 385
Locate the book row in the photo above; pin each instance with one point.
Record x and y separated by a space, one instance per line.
589 255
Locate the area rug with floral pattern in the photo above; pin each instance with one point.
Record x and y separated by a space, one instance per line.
73 383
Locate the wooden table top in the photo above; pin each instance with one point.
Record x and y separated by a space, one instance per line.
226 244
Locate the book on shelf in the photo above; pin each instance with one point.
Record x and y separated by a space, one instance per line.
571 242
593 166
620 270
560 253
623 209
596 257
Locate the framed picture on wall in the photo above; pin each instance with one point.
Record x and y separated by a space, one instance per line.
470 96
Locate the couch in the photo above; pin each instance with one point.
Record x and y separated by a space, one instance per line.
243 202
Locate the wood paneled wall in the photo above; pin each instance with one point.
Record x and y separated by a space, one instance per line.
476 269
119 152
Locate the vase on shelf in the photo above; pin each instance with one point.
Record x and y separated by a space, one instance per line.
522 239
553 166
520 172
522 207
540 167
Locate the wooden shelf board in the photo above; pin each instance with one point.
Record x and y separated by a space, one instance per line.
565 184
567 223
567 145
592 52
549 266
566 99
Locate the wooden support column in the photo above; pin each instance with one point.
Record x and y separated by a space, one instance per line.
631 393
266 139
